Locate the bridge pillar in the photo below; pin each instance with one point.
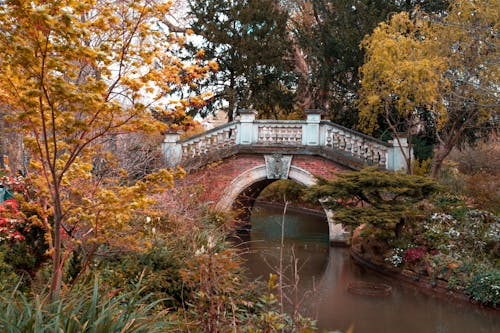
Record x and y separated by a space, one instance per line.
311 128
246 135
398 154
338 235
171 149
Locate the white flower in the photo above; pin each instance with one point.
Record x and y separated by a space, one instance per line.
200 251
210 242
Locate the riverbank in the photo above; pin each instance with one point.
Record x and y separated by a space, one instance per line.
326 273
423 284
434 287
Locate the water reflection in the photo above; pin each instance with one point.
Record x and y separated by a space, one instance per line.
325 273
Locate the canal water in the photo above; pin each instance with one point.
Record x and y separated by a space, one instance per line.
325 272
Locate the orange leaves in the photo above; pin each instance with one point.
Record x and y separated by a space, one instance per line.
77 75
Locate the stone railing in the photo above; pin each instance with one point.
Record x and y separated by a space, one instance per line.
206 143
278 132
304 134
358 145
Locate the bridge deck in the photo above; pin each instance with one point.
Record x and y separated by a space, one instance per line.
292 137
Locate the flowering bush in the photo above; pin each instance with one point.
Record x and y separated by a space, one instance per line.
22 241
484 287
396 258
453 243
11 221
414 254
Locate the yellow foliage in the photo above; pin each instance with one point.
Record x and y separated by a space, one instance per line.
76 75
434 63
401 71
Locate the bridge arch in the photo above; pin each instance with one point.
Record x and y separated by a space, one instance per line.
256 178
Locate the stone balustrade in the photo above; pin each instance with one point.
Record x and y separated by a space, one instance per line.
358 145
279 132
312 133
210 141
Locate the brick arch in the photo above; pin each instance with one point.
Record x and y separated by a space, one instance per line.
226 179
258 174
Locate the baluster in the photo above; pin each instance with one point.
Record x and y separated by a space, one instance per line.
184 151
348 144
362 148
298 135
368 148
197 147
370 158
220 140
335 138
192 150
355 147
342 143
208 144
289 135
235 132
329 137
382 153
224 137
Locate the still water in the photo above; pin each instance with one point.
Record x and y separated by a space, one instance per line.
324 274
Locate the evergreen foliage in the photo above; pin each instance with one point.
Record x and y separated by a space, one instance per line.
380 199
249 41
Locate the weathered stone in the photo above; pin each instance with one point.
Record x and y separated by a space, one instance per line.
277 166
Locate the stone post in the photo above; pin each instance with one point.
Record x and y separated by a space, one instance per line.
396 158
246 131
310 134
171 149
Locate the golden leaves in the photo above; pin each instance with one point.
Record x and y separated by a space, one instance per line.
75 75
402 71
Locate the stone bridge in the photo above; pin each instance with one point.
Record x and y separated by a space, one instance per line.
236 161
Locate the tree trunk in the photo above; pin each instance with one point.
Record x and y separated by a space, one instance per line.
440 153
55 285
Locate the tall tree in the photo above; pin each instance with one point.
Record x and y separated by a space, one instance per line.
75 74
249 41
327 34
436 72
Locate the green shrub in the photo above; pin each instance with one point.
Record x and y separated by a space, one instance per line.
160 267
8 275
484 287
82 310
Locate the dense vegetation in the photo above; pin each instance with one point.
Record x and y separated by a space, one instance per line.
93 240
412 225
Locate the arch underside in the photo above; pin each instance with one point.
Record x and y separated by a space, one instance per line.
246 187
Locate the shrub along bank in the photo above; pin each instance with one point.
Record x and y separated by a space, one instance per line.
411 225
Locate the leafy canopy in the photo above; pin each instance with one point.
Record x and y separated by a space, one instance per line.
370 196
437 73
75 76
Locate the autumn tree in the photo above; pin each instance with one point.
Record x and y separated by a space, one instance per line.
326 35
436 73
74 75
249 41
